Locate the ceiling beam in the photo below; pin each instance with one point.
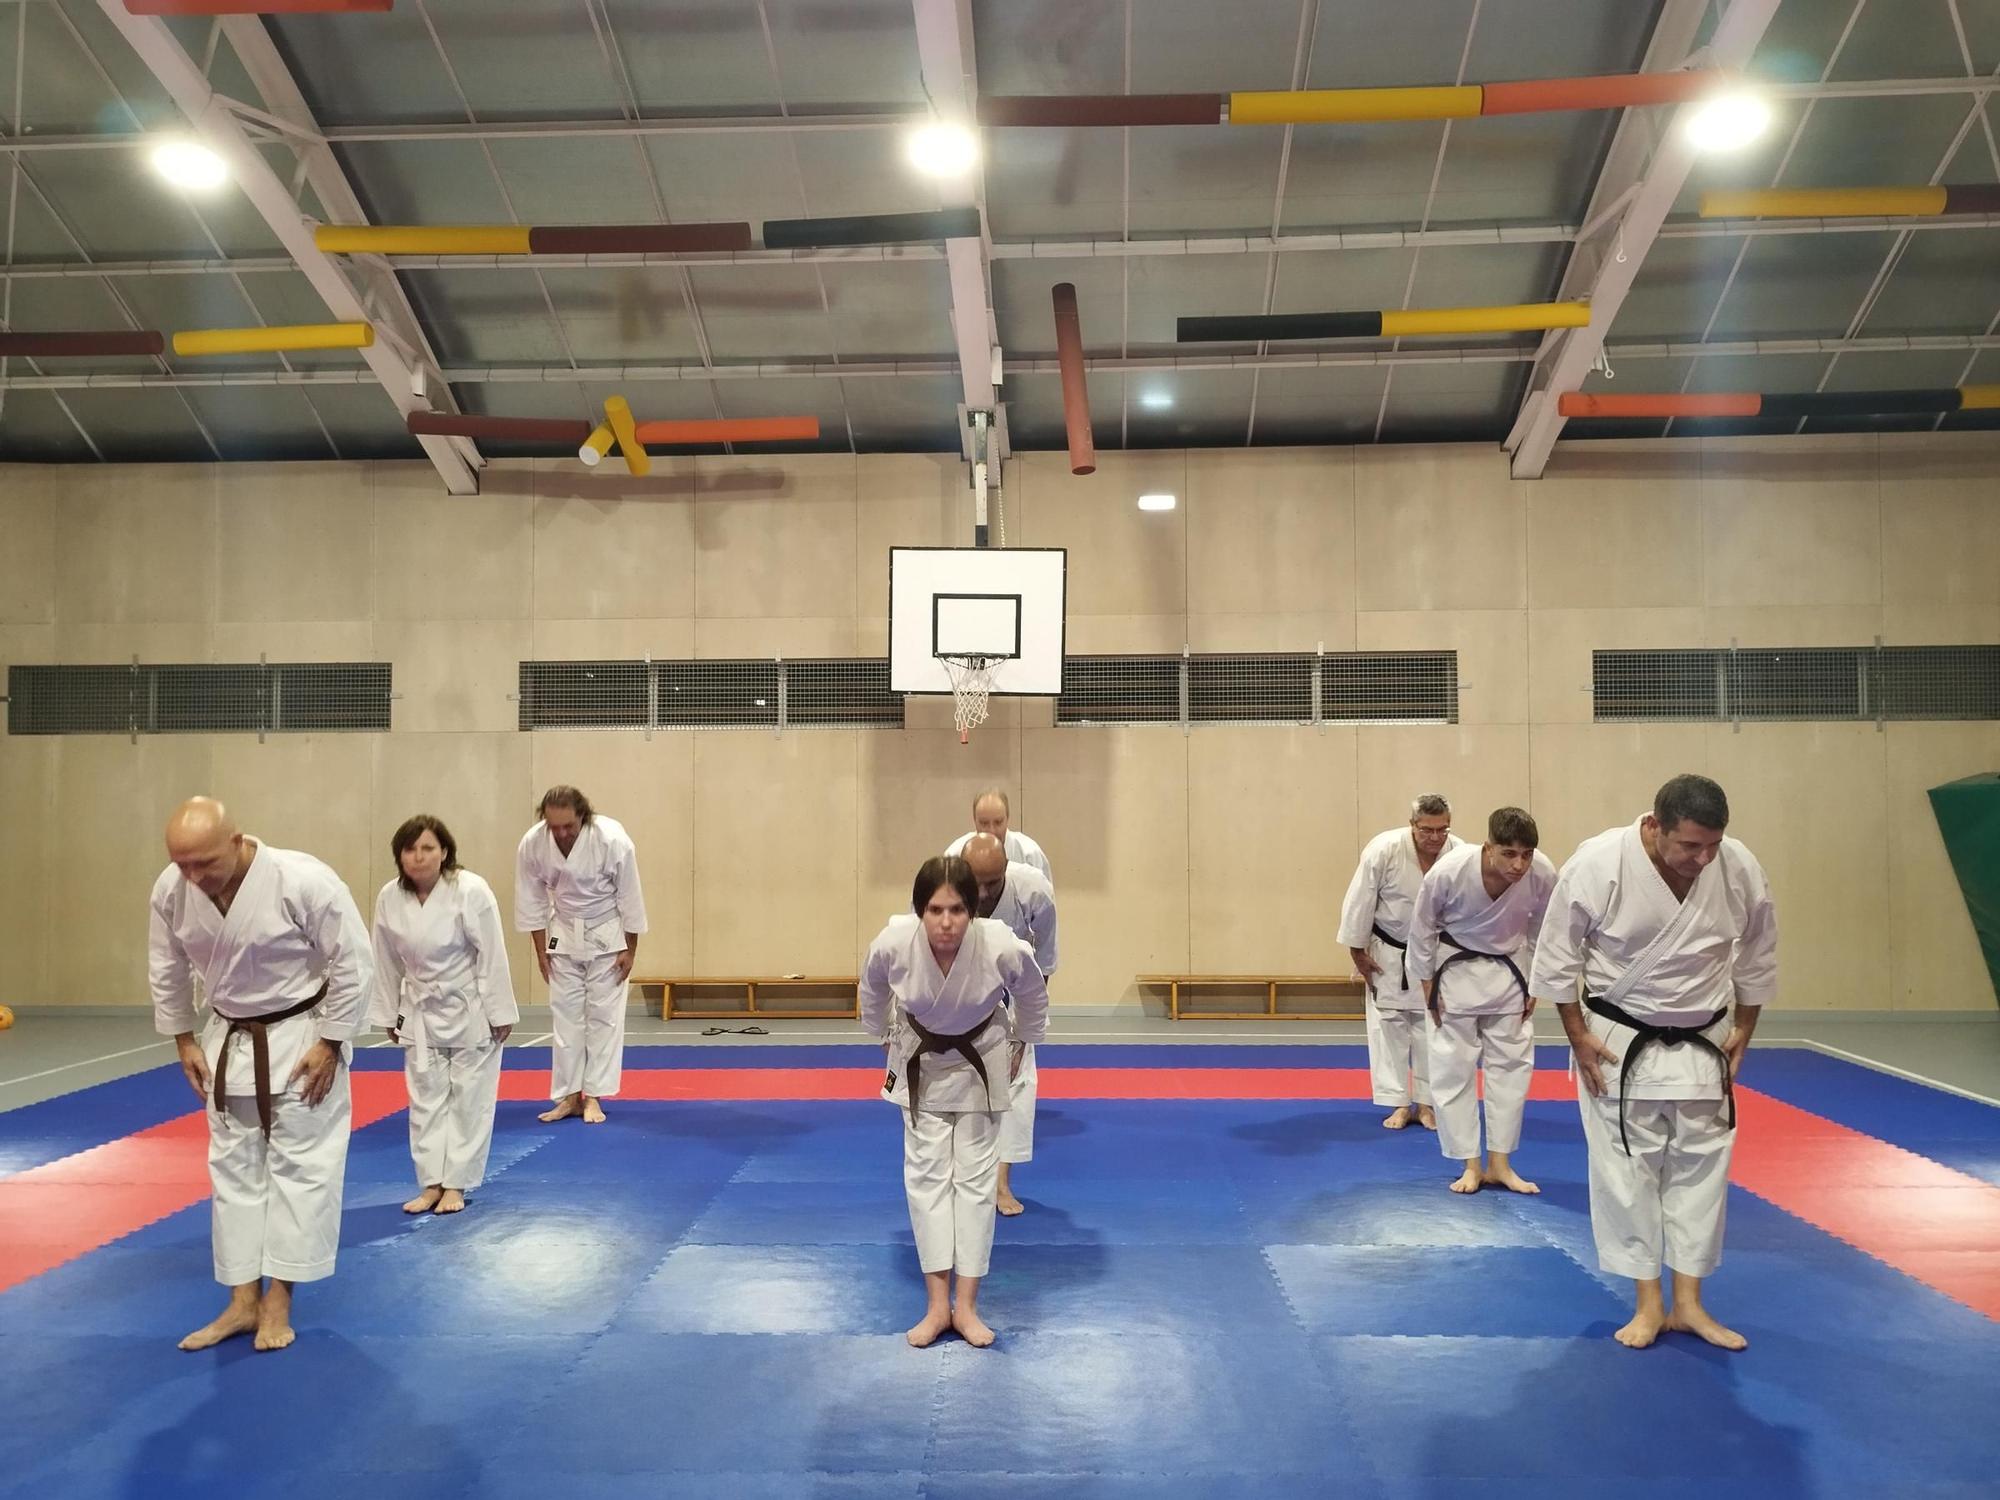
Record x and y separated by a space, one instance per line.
397 371
1647 194
944 55
1037 364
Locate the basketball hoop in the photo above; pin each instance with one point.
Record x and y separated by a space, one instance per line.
971 683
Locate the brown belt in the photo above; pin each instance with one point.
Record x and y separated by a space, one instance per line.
256 1028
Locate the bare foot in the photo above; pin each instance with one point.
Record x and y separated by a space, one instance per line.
1008 1204
1468 1181
239 1317
424 1202
1397 1118
565 1107
274 1318
593 1112
1696 1320
1643 1329
1513 1181
971 1328
1427 1117
934 1323
451 1201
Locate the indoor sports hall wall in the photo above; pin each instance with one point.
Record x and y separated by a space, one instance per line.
1225 849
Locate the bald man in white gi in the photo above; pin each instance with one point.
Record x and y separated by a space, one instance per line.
577 896
1662 925
1472 943
990 814
1017 896
285 967
1375 930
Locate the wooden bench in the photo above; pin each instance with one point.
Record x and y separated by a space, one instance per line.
1265 988
707 998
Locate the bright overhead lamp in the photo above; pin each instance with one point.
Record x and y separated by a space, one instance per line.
1729 122
941 150
1157 400
1156 502
189 165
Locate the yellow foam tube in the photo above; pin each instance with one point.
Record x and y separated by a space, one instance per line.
274 340
1520 318
1350 106
419 239
626 432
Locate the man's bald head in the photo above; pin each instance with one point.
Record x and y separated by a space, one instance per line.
205 844
988 858
990 812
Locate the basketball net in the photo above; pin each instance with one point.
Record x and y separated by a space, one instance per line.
971 683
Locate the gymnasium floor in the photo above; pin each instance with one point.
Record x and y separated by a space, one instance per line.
1230 1282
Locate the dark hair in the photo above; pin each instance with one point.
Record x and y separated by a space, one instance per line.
1430 805
414 829
1691 799
945 869
1512 825
569 797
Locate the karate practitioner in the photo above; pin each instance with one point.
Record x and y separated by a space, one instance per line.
1665 922
443 991
1375 929
283 960
989 815
576 893
932 990
1472 943
1018 897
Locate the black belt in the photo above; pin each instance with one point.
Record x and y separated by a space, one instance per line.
937 1041
1399 945
260 1051
1666 1036
1464 953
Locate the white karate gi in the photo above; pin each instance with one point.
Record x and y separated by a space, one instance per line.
292 925
1021 850
1478 1004
951 1139
1027 907
442 984
1383 894
586 903
1614 925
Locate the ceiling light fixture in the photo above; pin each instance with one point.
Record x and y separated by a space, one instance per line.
1157 400
190 166
1156 502
941 150
1728 122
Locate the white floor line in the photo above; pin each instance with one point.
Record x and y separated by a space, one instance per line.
84 1063
536 1041
1903 1073
1055 1038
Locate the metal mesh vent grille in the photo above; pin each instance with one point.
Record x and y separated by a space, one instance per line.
200 698
1395 687
1262 689
583 695
1120 690
717 695
1798 683
841 694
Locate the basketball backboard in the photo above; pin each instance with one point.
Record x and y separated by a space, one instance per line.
1003 603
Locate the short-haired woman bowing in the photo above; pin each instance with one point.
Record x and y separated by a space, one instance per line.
932 990
443 991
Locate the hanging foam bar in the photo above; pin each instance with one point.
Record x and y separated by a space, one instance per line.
730 430
420 239
871 229
1101 109
638 239
1787 407
1352 106
1608 91
593 448
625 431
256 7
505 429
84 345
1850 203
280 340
1407 323
1075 394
